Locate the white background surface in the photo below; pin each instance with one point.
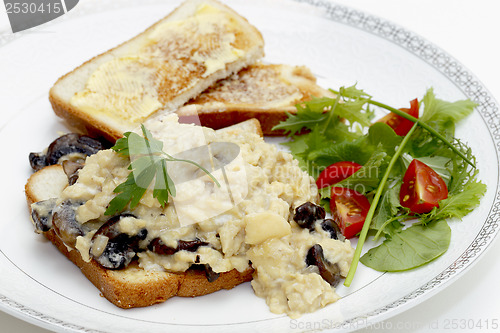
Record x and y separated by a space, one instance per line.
468 30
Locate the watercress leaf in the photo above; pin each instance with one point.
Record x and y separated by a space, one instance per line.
410 248
309 114
311 141
461 172
317 105
338 131
296 122
353 92
353 112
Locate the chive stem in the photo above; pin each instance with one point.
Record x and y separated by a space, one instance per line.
373 206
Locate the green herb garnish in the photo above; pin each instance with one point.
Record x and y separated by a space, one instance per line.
148 161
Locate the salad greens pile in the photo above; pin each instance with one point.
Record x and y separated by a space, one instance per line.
329 130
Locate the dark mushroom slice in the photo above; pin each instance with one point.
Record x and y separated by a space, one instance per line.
157 246
71 170
308 213
209 273
41 214
65 224
332 227
37 161
120 247
328 271
73 145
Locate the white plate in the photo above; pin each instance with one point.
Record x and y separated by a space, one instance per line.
342 47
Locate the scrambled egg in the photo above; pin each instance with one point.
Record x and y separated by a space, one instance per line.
254 223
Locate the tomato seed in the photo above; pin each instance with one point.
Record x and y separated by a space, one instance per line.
431 188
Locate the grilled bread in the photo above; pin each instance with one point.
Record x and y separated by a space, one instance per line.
134 286
159 70
265 92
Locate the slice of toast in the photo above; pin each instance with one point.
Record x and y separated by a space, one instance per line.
159 70
134 286
265 92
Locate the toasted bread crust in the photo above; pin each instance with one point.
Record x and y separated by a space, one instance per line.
133 286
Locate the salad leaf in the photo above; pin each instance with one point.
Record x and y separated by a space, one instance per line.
368 177
442 113
387 218
410 248
354 151
442 117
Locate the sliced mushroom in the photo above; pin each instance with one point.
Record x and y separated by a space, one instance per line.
331 226
328 271
71 146
157 246
71 170
38 161
41 214
120 248
209 273
65 224
308 213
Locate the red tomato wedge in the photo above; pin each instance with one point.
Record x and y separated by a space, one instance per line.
349 209
422 188
399 124
336 173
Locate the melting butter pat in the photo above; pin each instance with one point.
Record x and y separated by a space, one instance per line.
124 87
262 226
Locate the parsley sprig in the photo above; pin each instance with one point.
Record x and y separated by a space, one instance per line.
148 162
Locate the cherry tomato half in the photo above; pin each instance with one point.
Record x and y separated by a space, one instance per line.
399 124
349 209
422 188
336 173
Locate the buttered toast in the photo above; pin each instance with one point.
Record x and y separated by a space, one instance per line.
265 92
159 70
134 286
